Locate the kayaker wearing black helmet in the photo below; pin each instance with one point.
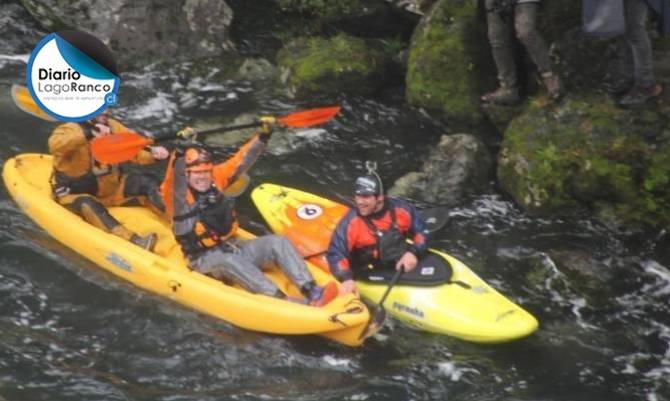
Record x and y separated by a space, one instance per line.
204 223
373 235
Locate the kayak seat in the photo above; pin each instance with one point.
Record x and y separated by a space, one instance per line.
431 270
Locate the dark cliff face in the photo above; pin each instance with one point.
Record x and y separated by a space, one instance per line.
18 30
141 32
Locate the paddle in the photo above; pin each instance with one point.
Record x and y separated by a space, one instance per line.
379 315
435 217
24 101
124 146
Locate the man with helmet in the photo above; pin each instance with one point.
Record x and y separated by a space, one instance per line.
204 223
374 234
87 187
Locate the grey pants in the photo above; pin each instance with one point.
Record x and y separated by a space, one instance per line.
501 35
638 40
245 264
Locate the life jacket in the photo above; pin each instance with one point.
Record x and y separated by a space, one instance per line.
213 220
389 245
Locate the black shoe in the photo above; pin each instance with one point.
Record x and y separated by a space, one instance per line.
147 242
640 94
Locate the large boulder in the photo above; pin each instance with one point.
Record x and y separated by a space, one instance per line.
143 30
586 153
458 166
448 56
331 66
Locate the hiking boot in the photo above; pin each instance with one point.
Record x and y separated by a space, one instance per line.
321 296
553 84
147 242
640 94
502 96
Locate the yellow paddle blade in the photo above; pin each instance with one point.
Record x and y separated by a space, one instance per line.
24 101
238 187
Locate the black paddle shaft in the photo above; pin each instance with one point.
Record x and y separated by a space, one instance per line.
224 128
394 280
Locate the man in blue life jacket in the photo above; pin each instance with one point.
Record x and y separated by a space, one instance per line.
374 234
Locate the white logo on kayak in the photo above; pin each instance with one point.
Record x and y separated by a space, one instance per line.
309 211
428 271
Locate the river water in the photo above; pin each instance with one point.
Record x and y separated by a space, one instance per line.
72 332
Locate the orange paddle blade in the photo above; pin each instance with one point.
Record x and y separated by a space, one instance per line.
308 118
119 147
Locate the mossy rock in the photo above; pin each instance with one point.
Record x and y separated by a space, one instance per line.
587 153
446 57
331 66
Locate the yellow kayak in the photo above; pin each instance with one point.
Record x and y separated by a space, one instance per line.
455 302
165 272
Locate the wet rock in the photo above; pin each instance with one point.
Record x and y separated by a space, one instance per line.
144 30
332 66
18 31
231 138
414 6
458 166
257 69
325 10
447 57
585 153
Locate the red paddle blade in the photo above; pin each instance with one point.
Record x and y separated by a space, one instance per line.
118 148
309 118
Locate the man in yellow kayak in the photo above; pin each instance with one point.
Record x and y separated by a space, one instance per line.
204 222
373 235
87 187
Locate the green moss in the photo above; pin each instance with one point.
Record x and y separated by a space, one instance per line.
332 65
586 152
445 50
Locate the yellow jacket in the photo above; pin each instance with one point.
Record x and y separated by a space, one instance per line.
72 158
